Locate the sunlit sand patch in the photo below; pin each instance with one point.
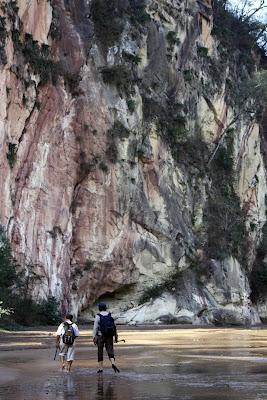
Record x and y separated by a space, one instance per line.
223 357
21 344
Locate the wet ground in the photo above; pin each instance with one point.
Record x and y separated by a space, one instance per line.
185 364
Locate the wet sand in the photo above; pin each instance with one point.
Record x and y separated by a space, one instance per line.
185 364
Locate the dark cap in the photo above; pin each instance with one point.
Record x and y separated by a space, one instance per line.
69 316
102 306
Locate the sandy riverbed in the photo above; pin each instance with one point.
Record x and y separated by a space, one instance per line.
185 364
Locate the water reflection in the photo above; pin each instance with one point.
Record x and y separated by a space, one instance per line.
70 388
63 387
83 386
191 364
106 392
100 387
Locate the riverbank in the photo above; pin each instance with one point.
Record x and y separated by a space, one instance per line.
155 362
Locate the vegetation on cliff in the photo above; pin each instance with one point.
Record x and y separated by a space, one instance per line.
16 284
258 275
241 46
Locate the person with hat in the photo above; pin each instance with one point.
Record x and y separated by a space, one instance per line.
66 334
103 333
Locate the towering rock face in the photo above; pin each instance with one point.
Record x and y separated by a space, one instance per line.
109 114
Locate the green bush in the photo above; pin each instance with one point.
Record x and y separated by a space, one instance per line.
238 36
168 284
202 51
216 70
192 151
171 123
38 58
108 20
86 166
103 166
8 276
12 154
258 281
152 110
112 152
11 10
29 313
172 38
117 132
72 82
226 230
55 29
16 38
119 76
258 275
138 13
151 293
188 75
16 289
89 264
133 58
226 221
131 105
3 36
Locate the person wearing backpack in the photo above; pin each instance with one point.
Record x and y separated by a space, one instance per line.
103 332
66 334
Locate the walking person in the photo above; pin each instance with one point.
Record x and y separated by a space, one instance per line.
103 332
66 334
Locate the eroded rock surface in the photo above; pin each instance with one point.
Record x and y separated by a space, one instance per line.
104 158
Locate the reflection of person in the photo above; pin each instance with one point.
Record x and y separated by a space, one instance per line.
103 332
70 386
66 335
108 393
100 387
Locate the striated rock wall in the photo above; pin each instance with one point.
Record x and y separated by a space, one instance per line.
108 113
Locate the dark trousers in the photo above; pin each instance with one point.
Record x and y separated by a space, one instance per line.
108 343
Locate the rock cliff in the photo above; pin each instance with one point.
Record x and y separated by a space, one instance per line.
110 114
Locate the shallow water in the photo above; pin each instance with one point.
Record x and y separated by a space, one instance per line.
185 364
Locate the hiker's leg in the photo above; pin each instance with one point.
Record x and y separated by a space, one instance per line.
110 351
69 363
62 354
62 359
100 347
70 356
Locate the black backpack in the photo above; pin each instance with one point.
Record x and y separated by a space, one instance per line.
69 335
107 325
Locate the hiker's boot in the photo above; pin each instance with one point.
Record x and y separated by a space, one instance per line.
115 369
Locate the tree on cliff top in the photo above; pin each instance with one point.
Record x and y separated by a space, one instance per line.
241 28
252 101
241 25
253 14
247 9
